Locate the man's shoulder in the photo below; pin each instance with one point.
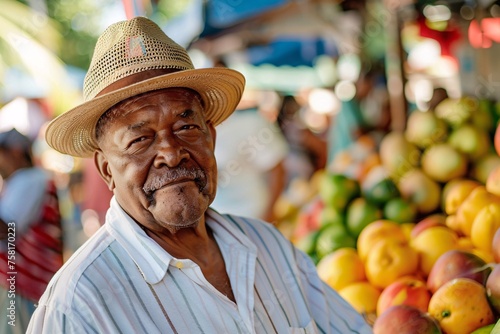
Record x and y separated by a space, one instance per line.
85 262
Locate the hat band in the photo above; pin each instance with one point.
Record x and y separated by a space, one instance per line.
135 78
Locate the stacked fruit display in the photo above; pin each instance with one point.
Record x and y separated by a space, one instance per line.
408 231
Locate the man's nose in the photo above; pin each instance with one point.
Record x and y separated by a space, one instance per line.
169 153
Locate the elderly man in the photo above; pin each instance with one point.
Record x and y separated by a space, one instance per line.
165 262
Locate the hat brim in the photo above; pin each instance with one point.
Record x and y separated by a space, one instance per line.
73 132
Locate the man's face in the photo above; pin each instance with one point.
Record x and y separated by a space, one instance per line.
157 156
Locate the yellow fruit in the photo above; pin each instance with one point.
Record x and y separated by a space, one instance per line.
341 268
461 306
362 296
485 256
421 190
465 243
431 243
467 212
424 128
407 228
486 223
453 223
470 140
388 260
375 231
455 192
398 155
455 111
442 162
483 167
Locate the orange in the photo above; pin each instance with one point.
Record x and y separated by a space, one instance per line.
341 268
362 296
461 306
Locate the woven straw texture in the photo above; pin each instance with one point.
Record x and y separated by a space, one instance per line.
130 47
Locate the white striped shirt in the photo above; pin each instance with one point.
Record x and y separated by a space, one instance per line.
121 281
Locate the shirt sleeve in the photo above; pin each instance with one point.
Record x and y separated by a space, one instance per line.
330 311
44 321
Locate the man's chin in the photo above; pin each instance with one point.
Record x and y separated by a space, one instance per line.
174 228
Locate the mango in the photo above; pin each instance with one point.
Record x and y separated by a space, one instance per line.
455 192
486 223
467 212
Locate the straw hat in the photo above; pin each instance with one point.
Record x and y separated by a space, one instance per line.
139 47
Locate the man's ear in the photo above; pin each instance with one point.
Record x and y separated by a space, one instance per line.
104 169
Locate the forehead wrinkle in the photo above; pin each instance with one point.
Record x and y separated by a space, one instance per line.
137 125
126 109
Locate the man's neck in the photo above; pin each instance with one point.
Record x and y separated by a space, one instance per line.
195 243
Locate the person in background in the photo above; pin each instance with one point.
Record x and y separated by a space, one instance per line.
164 261
250 155
30 232
308 150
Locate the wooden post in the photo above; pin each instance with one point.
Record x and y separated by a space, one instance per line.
394 68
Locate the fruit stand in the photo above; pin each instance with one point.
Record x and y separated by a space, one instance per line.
413 219
404 223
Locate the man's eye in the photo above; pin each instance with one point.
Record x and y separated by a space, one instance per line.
189 127
138 140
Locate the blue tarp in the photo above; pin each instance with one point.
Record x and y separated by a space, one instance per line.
222 15
225 13
290 51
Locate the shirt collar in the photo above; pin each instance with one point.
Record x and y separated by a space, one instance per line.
151 259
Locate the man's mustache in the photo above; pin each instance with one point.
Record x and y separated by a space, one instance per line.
174 175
